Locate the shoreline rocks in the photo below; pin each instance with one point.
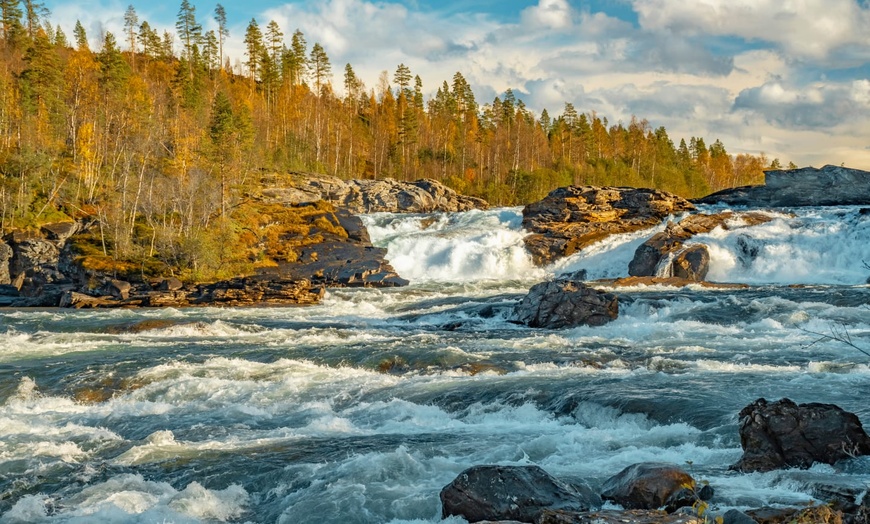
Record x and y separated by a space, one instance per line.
43 270
571 218
663 493
373 196
808 186
783 434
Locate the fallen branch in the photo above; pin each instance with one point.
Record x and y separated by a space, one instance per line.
838 333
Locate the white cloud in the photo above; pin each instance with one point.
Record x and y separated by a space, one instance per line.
806 29
549 14
685 66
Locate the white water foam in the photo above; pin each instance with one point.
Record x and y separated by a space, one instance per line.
455 247
815 246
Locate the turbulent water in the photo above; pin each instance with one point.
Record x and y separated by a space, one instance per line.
360 410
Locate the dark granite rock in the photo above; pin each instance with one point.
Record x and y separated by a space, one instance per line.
571 218
734 516
116 288
5 257
520 493
615 517
665 254
651 485
169 284
808 186
783 434
565 303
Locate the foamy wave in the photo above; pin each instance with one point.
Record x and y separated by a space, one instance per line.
477 245
130 497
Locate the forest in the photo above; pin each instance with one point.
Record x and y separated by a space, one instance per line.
158 141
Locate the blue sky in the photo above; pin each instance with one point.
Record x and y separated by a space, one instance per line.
790 79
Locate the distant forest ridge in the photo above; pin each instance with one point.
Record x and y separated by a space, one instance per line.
153 136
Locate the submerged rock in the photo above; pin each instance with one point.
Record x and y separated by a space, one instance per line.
808 186
783 434
566 303
665 253
571 218
616 517
652 485
517 493
374 196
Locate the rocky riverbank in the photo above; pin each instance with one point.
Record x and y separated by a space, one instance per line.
773 435
308 248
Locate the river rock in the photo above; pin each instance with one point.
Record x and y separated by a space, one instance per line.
615 517
117 288
566 303
252 291
783 434
571 218
518 493
808 186
651 485
665 253
373 196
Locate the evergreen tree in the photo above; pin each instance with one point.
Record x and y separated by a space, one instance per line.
81 37
220 16
10 20
320 68
131 21
189 31
254 48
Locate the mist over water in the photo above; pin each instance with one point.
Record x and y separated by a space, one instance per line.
360 409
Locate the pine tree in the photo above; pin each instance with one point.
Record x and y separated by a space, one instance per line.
131 21
320 68
81 37
189 31
10 20
220 16
254 48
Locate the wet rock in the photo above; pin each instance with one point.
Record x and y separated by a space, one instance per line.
518 493
783 434
571 218
565 303
615 517
258 291
373 196
667 281
769 515
734 516
141 326
650 485
73 299
665 253
808 186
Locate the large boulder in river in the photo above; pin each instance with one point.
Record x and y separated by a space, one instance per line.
783 434
566 303
571 218
666 255
652 485
372 196
517 493
808 186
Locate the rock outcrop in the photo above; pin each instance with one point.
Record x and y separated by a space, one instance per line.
566 303
611 516
373 196
318 247
511 493
571 218
808 186
653 485
666 255
784 434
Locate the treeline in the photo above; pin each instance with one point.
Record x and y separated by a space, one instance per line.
158 138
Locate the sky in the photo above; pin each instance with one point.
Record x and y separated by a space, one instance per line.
789 78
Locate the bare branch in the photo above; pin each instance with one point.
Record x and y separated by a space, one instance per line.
838 333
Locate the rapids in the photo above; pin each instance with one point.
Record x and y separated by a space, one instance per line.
360 409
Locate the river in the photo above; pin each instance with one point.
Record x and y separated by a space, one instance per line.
360 409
